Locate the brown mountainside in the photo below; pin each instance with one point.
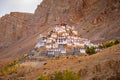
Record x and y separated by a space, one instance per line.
13 27
98 20
104 65
97 17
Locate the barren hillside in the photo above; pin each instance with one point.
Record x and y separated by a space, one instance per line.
104 65
101 66
97 20
12 27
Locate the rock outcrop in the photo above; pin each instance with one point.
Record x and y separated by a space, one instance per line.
90 17
97 20
13 27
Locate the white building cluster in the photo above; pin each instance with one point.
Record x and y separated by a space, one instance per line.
63 39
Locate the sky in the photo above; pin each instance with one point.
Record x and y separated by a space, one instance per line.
7 6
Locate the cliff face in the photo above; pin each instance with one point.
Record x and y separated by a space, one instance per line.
60 11
98 20
13 27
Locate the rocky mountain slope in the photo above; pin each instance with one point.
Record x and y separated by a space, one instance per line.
97 20
104 65
13 27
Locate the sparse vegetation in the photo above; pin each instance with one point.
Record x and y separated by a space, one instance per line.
109 44
41 77
58 76
67 75
90 50
9 69
12 67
